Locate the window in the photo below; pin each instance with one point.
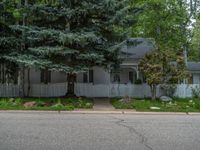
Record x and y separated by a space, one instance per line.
116 78
8 73
85 77
91 76
88 76
2 73
130 76
45 76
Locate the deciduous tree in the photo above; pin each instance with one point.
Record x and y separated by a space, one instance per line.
158 67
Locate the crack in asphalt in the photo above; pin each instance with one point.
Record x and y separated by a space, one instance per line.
142 139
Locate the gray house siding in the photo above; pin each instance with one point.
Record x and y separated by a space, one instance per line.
196 78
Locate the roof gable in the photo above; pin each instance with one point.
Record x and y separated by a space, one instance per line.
136 48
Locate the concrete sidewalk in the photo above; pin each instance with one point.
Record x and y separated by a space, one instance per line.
102 104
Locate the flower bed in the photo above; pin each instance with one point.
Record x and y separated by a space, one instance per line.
45 103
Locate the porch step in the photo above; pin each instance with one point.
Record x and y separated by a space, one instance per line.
102 104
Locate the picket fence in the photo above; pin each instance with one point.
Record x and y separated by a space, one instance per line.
94 90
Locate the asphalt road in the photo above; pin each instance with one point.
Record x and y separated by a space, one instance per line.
51 131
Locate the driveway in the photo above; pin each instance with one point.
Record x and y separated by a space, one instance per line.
52 131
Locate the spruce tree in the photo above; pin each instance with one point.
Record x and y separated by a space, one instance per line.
9 43
74 35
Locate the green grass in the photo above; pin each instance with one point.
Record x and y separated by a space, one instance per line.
177 105
46 103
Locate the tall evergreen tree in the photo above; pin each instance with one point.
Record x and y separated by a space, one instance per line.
9 43
74 35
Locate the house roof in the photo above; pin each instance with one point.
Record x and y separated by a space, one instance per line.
136 48
193 66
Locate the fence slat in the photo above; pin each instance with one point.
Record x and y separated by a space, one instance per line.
94 90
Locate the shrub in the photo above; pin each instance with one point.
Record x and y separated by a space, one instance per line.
169 89
40 103
17 102
88 105
138 81
80 103
69 107
5 103
121 105
191 103
71 100
12 99
58 106
10 102
196 92
197 105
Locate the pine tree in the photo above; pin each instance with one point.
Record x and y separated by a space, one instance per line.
8 43
73 35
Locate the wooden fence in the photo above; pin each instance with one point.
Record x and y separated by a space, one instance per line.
93 90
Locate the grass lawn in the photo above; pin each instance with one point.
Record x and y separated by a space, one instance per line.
45 103
144 105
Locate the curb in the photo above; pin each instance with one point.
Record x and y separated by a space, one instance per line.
100 112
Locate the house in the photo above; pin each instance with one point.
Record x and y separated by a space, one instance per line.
101 82
131 53
128 72
194 69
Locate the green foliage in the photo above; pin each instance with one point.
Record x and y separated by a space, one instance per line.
164 21
9 43
197 105
10 103
157 68
144 105
40 103
138 81
196 92
88 105
45 104
69 107
169 24
72 36
194 53
121 105
69 36
58 107
17 101
5 103
169 89
79 102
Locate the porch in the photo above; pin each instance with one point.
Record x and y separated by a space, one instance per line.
127 74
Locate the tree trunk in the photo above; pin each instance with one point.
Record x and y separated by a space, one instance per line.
22 68
153 92
21 81
71 78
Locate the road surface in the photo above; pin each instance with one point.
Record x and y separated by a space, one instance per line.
52 131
